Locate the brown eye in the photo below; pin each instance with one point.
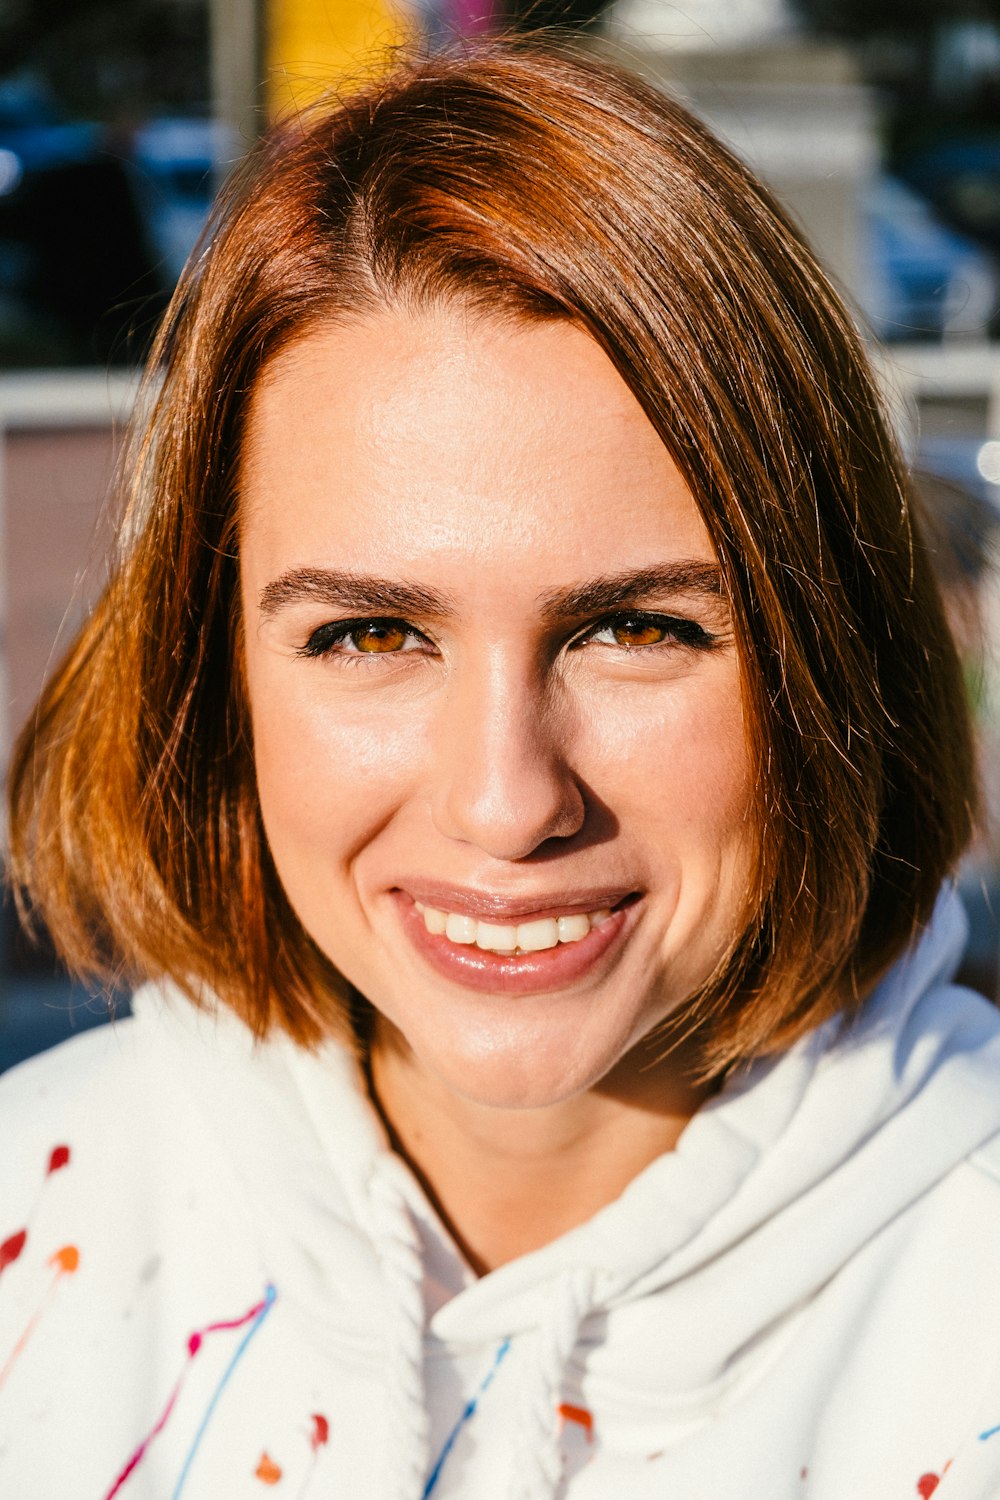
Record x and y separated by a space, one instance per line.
638 633
379 636
641 630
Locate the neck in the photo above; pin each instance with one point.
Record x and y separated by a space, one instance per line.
507 1181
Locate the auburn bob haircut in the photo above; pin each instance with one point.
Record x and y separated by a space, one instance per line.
530 183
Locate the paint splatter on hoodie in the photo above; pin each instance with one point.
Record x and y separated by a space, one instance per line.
216 1279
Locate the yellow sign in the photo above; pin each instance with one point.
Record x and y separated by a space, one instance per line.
314 45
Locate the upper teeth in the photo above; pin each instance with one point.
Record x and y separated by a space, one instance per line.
520 937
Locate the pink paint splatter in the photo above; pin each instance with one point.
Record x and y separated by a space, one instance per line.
64 1262
140 1452
254 1315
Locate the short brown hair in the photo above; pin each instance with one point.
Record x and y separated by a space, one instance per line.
533 183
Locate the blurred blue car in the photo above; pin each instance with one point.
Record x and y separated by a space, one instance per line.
921 279
178 162
961 177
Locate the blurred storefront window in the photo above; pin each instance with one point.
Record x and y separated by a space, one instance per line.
96 181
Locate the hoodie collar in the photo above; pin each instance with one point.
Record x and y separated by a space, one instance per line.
798 1161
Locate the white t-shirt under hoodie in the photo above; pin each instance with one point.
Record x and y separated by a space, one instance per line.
218 1281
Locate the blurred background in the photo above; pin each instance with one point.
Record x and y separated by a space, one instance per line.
877 122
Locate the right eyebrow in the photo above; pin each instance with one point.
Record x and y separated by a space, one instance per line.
613 590
355 592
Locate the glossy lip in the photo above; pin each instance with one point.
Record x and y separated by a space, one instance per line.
526 973
492 906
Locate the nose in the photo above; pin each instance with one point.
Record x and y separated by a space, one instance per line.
503 780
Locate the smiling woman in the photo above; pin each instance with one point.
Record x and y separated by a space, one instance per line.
521 747
551 634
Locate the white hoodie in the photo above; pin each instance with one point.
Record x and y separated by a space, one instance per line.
229 1284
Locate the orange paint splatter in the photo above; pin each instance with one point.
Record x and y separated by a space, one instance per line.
267 1470
580 1415
67 1260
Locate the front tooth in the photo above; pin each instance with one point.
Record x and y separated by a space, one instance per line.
490 935
435 921
572 929
460 929
532 937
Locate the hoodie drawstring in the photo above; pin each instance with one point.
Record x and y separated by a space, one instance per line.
394 1235
537 1471
537 1459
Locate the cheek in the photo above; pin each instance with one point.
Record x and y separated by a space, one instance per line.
678 764
327 773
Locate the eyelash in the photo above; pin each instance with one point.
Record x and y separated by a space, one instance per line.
679 631
684 632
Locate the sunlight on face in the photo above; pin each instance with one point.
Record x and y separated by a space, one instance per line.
495 696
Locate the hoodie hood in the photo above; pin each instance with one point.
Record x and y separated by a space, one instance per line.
798 1163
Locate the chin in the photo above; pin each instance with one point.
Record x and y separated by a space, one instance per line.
529 1075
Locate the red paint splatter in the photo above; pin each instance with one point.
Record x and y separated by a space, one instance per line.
58 1159
11 1248
318 1438
267 1471
926 1485
580 1415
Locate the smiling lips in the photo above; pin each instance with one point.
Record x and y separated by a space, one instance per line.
529 952
511 938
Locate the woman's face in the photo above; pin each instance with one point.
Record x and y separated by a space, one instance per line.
494 691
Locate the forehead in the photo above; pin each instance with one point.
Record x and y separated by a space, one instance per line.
445 436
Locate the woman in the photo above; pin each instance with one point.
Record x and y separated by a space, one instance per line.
521 742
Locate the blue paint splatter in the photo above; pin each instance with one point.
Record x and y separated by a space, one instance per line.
992 1432
467 1414
265 1307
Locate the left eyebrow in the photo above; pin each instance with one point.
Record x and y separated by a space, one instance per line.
612 590
351 591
